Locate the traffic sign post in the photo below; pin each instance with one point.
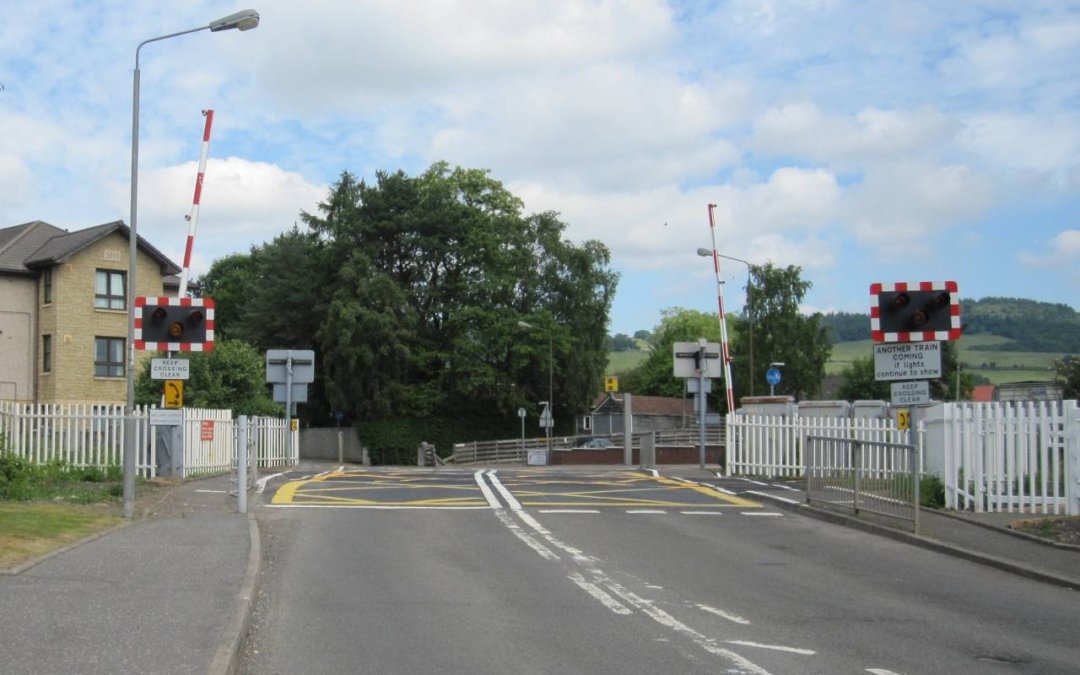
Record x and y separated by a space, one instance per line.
772 376
290 370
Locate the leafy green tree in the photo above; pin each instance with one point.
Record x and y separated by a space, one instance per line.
1067 374
858 383
656 376
783 334
432 274
231 376
621 342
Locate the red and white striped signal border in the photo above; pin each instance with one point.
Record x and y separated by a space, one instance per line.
208 309
950 287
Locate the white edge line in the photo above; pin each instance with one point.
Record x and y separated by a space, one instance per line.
779 648
785 487
213 491
492 501
755 482
720 489
261 483
647 511
766 495
701 513
880 671
653 472
769 514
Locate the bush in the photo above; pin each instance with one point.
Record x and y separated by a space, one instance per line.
931 492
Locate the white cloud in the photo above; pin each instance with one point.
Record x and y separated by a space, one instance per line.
243 203
1064 250
870 135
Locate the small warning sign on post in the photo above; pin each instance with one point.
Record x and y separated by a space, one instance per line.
611 383
174 394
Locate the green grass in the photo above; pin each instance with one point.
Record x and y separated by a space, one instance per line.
30 530
621 362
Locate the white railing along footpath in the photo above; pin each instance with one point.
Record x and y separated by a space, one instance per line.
1013 457
92 435
774 446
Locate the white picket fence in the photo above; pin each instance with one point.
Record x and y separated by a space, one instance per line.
1019 457
1015 457
83 435
774 445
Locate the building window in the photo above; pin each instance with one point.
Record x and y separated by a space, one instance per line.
46 285
108 357
46 353
109 292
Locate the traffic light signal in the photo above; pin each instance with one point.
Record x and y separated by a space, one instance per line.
904 312
174 324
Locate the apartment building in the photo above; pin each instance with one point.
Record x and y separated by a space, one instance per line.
63 310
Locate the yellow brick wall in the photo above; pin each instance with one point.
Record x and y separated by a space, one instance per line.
75 322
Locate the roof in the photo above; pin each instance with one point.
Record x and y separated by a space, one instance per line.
652 405
26 247
982 393
19 242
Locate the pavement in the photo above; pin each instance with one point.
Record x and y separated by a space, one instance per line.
172 591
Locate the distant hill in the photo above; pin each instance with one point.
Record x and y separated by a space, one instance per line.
1026 325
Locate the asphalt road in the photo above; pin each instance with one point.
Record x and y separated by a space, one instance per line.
612 572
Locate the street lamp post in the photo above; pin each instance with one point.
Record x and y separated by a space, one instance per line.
704 252
551 387
243 20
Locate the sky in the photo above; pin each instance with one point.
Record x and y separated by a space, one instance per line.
861 141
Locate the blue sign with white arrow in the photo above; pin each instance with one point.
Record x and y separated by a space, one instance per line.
772 376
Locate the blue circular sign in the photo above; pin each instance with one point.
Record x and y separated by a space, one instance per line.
772 376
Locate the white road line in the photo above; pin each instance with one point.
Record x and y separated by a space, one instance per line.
724 615
212 491
511 524
779 648
654 472
260 484
600 594
720 489
647 511
701 513
755 482
785 487
880 671
769 496
488 494
759 513
568 511
510 501
742 665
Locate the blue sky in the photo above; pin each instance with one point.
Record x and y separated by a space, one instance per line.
862 141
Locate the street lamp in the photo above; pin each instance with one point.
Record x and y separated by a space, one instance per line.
749 304
242 20
551 388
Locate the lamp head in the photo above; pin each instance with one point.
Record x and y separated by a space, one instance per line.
243 20
704 253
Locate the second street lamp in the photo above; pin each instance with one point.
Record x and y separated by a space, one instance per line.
242 20
706 253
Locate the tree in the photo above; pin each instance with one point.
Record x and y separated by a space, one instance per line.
1067 374
783 334
622 342
433 273
231 376
656 376
858 383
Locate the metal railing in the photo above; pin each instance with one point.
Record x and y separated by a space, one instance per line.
858 475
516 451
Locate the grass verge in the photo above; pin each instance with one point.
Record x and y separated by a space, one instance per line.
32 529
